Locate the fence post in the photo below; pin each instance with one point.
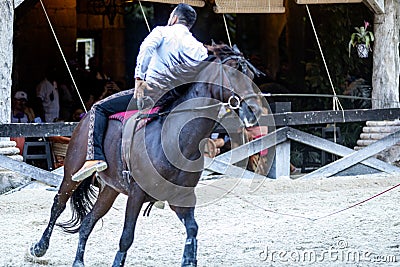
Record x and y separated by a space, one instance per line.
282 159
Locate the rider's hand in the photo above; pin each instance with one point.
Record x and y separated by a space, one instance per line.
140 86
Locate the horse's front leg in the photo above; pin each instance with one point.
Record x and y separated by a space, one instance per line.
186 215
39 249
103 204
134 204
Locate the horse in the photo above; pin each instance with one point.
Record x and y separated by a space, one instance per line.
155 173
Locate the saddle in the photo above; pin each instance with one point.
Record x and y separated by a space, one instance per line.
124 116
132 121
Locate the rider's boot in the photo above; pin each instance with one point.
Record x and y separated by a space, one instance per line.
88 169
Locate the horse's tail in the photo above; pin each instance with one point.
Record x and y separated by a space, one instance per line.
82 201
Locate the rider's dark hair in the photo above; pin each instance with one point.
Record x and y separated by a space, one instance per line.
186 15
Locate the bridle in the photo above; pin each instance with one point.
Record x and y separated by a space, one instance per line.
234 101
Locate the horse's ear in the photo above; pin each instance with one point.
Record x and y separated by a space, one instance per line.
213 42
236 49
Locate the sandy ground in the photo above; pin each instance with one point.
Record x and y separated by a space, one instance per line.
241 228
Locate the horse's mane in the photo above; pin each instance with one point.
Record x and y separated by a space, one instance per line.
178 79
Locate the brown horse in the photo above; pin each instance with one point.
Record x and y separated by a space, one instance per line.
163 158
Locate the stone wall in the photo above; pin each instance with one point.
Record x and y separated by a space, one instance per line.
376 130
6 50
8 179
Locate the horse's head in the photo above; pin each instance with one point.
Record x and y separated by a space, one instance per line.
234 75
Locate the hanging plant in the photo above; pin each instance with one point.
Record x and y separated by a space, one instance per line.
361 39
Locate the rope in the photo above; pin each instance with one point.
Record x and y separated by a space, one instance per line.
301 216
227 30
359 203
255 205
317 95
62 54
336 103
144 16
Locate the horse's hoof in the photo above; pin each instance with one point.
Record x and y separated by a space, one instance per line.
119 259
189 263
36 251
29 257
78 264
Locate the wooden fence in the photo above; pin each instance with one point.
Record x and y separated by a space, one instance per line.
224 163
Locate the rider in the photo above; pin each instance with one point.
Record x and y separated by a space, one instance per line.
164 48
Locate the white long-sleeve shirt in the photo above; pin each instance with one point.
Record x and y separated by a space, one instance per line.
166 47
48 93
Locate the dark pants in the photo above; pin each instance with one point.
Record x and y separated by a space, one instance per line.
115 103
99 114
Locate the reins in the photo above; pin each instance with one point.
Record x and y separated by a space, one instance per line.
165 113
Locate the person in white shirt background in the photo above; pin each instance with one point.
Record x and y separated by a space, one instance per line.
164 48
47 91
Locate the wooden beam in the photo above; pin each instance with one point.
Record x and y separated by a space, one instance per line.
215 165
321 2
37 129
17 3
282 157
33 172
377 6
331 116
279 119
336 149
246 6
322 117
355 157
198 3
244 151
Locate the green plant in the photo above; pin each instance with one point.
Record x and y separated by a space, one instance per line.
361 36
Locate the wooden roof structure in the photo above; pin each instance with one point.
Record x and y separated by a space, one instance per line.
198 3
265 6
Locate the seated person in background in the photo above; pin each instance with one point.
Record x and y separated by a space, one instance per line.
21 114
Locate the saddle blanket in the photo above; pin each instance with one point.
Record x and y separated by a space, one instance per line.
124 116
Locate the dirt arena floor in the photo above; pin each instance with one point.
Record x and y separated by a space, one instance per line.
239 228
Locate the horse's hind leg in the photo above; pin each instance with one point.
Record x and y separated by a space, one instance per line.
186 215
103 204
59 203
134 204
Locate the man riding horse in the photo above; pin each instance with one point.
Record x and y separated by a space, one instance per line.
164 48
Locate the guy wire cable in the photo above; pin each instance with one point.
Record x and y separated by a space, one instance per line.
62 54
